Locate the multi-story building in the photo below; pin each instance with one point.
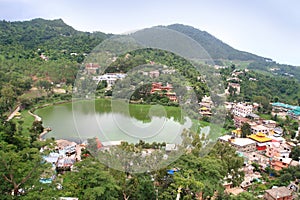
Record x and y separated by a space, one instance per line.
166 90
275 149
242 110
259 129
261 141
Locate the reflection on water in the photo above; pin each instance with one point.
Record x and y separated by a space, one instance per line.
131 123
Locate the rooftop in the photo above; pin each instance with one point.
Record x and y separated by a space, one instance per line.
237 141
259 127
279 192
260 137
287 106
235 191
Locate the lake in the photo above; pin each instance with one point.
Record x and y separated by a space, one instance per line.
113 121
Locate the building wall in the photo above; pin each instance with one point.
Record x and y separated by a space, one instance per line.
246 148
242 110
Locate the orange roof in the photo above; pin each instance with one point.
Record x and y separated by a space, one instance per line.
259 137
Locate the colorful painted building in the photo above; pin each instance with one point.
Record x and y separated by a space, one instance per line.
261 140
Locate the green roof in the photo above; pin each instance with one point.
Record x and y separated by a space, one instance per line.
295 110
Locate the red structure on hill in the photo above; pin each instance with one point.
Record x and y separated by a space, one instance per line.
166 90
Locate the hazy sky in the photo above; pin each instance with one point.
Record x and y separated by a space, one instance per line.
269 28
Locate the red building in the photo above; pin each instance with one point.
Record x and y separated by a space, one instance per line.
92 68
167 90
261 140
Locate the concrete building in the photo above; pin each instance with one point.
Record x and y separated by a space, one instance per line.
240 144
275 149
110 78
242 109
261 140
278 163
259 129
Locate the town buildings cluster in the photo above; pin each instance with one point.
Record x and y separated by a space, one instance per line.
265 146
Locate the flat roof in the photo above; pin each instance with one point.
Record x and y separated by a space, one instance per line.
243 141
237 141
259 127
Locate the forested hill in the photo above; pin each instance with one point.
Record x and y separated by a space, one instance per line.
46 35
215 47
56 35
57 40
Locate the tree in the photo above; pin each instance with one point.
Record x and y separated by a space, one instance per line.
197 177
20 169
246 130
36 129
90 180
136 186
8 97
231 161
264 102
244 196
45 85
295 153
102 85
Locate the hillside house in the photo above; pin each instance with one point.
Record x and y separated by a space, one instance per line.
275 149
271 124
280 193
110 78
239 121
255 157
92 68
154 74
278 163
166 90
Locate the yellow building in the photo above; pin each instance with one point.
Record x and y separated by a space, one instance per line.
237 132
261 140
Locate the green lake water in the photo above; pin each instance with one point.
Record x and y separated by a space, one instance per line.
113 121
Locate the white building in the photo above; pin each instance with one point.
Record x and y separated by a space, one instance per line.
240 144
110 78
242 110
259 129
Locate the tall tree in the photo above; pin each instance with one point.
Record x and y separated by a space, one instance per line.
295 153
246 130
20 169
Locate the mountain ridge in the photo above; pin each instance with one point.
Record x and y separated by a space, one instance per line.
216 48
54 37
37 32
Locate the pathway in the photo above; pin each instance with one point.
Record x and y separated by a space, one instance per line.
13 113
36 117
